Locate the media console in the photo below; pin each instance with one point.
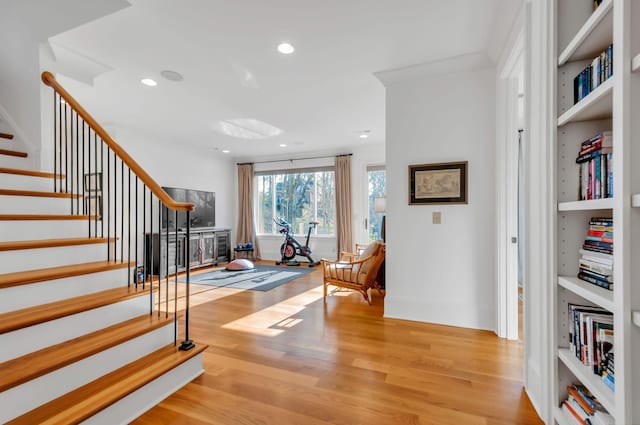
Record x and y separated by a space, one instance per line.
207 247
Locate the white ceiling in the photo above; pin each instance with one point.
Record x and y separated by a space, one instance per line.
321 97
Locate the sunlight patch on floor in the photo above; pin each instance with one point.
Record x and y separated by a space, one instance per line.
274 320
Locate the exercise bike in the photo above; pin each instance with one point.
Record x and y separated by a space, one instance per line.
291 247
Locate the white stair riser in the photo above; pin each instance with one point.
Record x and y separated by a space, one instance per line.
8 161
26 230
23 296
10 204
32 259
20 342
138 402
21 182
25 397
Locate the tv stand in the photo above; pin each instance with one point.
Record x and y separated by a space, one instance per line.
207 247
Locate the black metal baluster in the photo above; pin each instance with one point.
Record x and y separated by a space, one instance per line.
55 141
187 344
101 188
159 255
88 190
84 181
121 211
108 210
145 255
115 206
60 145
71 174
136 235
151 253
66 154
129 222
175 298
78 163
166 276
97 181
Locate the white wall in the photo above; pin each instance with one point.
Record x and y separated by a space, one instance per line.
171 164
23 26
441 273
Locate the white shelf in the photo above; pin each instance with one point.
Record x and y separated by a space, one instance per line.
561 417
590 292
635 63
593 382
636 318
591 204
596 105
594 36
635 200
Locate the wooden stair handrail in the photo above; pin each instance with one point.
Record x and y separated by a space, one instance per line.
156 189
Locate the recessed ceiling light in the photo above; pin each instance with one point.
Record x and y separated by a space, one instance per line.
283 145
172 75
286 48
225 151
364 136
149 82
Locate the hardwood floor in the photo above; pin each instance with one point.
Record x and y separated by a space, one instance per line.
282 357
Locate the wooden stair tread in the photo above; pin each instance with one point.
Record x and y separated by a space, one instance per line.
32 173
52 243
30 316
90 399
13 153
14 192
33 365
29 217
39 275
6 136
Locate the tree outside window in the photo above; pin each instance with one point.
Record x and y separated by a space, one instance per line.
299 198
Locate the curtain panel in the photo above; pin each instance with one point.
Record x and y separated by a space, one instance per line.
246 231
344 231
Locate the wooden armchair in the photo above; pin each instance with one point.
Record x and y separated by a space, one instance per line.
355 272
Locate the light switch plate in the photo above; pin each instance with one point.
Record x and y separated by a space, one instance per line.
437 217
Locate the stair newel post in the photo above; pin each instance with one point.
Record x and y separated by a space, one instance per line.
187 344
175 289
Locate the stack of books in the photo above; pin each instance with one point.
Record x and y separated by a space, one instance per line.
584 408
599 71
591 338
596 256
596 167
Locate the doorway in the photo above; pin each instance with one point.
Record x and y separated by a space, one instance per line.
511 139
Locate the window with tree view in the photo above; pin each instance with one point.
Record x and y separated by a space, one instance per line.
377 189
299 198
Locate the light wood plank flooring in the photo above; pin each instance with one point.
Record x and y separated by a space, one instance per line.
281 357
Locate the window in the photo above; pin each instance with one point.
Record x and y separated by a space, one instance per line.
299 197
377 189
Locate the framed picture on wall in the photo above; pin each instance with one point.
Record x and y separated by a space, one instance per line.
443 183
93 182
93 205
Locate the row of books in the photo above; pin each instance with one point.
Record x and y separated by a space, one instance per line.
600 69
591 340
595 160
584 408
595 264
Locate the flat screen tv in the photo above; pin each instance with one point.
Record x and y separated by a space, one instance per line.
204 214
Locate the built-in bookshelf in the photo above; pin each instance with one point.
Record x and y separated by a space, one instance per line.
582 35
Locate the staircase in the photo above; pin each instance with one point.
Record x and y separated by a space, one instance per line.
81 342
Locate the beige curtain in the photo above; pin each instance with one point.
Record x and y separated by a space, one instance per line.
246 231
343 204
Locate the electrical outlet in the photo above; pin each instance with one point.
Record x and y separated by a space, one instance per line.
437 217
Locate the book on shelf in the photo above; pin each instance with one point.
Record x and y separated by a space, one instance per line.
595 166
585 409
595 264
590 335
599 70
